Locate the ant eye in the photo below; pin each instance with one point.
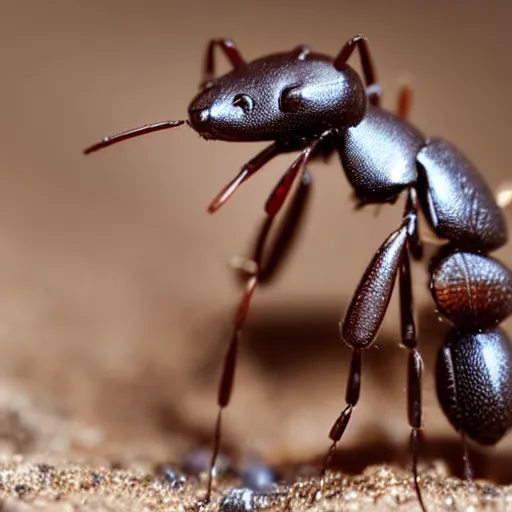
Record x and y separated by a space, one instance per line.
245 102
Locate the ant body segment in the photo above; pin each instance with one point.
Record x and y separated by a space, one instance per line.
307 102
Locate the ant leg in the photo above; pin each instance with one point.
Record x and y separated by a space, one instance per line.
371 299
230 51
247 170
270 261
414 368
351 398
289 226
282 189
468 468
261 272
373 89
228 372
408 335
403 107
364 318
255 164
415 245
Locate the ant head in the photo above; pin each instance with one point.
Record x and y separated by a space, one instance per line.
279 96
294 95
235 107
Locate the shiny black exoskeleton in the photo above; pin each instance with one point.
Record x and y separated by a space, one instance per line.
310 103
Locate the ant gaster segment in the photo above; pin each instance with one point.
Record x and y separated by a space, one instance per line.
309 103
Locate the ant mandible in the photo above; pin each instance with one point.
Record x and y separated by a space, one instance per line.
308 102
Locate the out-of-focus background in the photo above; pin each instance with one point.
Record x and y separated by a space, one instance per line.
116 295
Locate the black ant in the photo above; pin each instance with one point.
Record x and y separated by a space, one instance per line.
308 102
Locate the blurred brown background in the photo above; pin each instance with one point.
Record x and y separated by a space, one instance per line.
115 292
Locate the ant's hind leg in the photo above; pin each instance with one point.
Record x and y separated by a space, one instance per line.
414 366
268 254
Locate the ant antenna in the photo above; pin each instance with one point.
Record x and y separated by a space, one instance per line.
130 134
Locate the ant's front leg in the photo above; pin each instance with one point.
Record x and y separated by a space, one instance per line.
280 192
230 51
268 254
247 170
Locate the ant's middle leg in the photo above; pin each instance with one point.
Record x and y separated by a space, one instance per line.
267 257
364 318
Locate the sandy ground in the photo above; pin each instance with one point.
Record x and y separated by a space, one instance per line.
67 487
62 469
116 297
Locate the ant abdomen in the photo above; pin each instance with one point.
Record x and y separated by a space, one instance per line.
473 291
474 365
474 383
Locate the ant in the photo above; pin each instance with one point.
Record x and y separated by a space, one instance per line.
308 102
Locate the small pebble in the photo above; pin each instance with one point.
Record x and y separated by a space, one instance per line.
258 477
20 489
45 471
45 468
172 476
491 492
197 462
98 478
238 500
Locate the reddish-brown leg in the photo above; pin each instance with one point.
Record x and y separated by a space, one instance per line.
254 165
264 263
414 366
230 51
361 43
404 103
351 398
279 193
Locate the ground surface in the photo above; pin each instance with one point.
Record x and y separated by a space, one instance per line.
29 487
64 468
